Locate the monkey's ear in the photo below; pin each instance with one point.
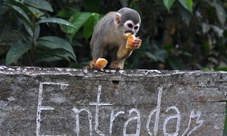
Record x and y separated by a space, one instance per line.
117 19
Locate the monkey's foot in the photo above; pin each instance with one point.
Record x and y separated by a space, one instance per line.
99 63
115 65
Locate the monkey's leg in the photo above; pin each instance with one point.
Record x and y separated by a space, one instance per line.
121 55
98 62
116 65
92 63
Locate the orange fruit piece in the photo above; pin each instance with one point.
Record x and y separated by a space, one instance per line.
130 40
101 63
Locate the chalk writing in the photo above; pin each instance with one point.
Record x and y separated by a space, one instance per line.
198 121
77 112
131 119
133 115
157 110
112 118
178 116
97 104
40 107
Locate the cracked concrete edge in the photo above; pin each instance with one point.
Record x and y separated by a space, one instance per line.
35 71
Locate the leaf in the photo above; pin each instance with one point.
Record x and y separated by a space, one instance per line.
168 3
184 53
47 58
90 24
57 21
176 64
200 67
157 45
66 13
151 56
24 7
217 30
186 15
222 69
29 30
76 43
161 55
53 55
37 32
22 14
220 13
36 12
16 51
40 4
52 42
188 4
207 46
78 20
205 27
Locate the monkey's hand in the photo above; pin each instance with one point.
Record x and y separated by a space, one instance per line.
99 64
132 42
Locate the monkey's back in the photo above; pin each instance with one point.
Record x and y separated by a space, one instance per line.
104 32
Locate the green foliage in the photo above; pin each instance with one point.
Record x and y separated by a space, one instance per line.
80 19
54 43
176 34
41 4
187 4
16 51
168 3
28 15
183 35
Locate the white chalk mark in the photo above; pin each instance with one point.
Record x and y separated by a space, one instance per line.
198 121
112 118
178 116
77 112
100 104
63 86
40 107
131 119
97 104
46 108
157 110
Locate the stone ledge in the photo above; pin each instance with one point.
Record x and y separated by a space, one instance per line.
62 101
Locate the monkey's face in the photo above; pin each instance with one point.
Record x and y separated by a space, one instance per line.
130 27
128 20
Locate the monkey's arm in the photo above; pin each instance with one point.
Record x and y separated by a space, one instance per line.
124 52
132 44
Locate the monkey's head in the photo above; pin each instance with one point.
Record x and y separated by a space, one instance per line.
128 20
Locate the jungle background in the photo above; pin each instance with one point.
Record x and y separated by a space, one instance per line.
176 34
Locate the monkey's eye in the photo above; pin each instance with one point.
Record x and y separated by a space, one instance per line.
136 27
130 25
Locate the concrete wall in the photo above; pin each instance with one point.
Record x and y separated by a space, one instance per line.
55 101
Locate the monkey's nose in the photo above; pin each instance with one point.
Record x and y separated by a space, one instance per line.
129 31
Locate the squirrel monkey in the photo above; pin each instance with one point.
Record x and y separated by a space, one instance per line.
114 39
